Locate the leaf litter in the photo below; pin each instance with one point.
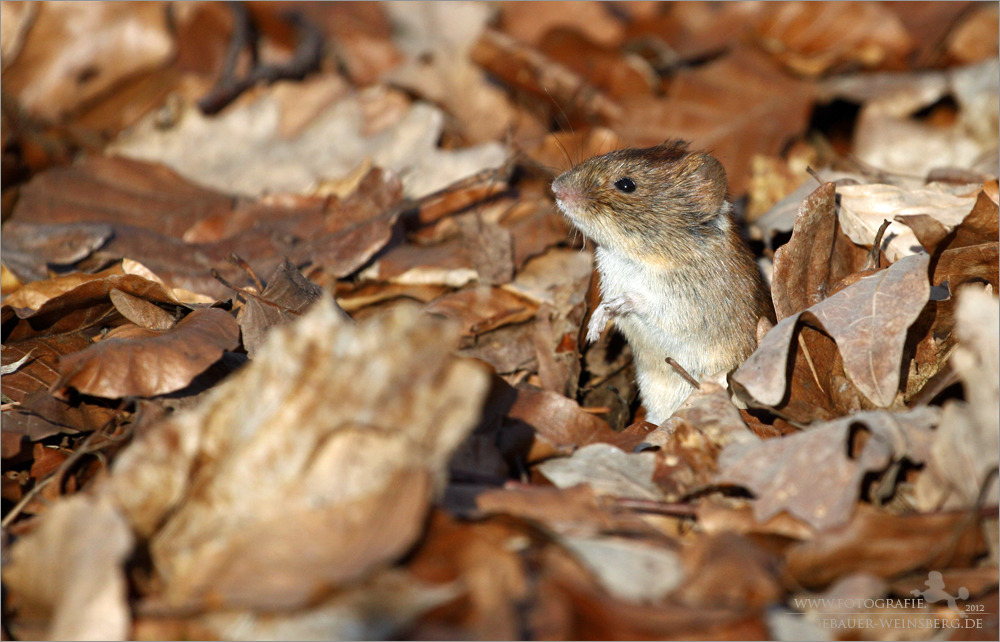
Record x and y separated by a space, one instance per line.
292 336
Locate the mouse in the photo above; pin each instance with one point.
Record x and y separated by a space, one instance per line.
676 278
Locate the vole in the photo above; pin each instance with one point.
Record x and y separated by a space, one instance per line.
676 278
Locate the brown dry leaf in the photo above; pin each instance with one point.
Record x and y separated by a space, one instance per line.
729 570
616 74
241 151
813 38
437 41
737 107
487 557
608 470
367 294
146 363
288 294
558 423
816 257
66 578
689 442
30 251
352 426
868 320
975 39
965 449
696 30
483 308
572 511
107 191
525 69
886 546
73 53
447 264
141 312
530 21
377 610
782 472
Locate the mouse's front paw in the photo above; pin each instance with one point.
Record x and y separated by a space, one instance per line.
598 320
606 311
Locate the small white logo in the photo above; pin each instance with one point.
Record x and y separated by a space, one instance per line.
935 592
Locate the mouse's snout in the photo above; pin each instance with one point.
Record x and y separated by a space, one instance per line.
566 195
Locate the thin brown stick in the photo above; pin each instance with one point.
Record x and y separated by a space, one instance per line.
684 373
657 508
237 260
875 254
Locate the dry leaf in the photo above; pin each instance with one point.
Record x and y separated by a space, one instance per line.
147 363
607 470
320 414
886 546
73 53
868 320
966 446
629 570
737 106
67 577
240 151
782 472
288 294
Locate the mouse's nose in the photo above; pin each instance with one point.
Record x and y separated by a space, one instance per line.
559 189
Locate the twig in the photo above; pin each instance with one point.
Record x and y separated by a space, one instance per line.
684 373
658 508
307 58
875 254
237 260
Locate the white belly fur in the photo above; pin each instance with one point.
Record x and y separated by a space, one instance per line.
667 320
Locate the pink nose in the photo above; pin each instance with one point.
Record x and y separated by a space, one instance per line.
563 192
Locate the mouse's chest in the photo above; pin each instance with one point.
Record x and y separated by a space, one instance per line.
656 296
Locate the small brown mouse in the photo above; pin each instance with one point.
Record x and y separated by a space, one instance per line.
676 278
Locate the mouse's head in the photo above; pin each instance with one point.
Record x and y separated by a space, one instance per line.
654 201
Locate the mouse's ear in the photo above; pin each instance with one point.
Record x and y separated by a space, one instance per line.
675 145
712 176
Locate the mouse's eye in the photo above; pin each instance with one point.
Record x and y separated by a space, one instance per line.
625 184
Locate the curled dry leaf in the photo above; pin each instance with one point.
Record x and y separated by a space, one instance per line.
141 312
576 510
29 251
964 454
149 363
557 423
817 256
864 207
868 320
67 576
351 426
783 472
288 294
